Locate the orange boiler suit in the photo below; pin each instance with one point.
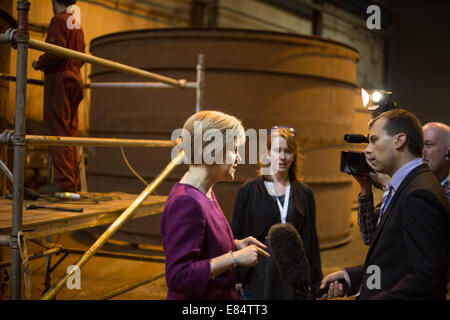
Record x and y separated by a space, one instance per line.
63 92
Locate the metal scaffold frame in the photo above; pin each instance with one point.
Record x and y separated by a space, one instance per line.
19 140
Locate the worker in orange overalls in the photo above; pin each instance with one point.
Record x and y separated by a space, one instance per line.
63 92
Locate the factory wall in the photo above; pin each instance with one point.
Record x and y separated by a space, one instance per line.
420 68
352 32
102 17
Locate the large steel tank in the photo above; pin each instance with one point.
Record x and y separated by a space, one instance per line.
263 78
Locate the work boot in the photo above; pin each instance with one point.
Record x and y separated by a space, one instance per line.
49 189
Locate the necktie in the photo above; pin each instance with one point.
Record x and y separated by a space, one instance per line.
385 201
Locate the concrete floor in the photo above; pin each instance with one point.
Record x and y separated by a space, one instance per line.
100 275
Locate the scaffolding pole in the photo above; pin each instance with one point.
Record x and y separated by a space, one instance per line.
51 293
72 54
9 77
18 139
5 240
134 85
8 135
200 83
22 39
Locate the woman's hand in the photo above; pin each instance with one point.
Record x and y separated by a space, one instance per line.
248 256
248 251
240 244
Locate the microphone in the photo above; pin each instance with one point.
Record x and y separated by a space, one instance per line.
290 257
356 138
292 262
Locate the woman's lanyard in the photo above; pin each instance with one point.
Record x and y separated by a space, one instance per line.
284 208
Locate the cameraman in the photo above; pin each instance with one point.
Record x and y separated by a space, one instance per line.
408 256
436 155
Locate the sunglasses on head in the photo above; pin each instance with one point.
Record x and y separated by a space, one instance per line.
282 129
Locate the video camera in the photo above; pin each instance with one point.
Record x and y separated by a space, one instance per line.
354 162
378 102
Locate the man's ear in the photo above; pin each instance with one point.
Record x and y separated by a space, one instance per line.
400 141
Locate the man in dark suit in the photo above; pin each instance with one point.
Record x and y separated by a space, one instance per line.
409 252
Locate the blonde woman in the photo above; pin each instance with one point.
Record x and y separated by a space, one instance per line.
274 197
201 252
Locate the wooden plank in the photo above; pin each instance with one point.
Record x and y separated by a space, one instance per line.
43 222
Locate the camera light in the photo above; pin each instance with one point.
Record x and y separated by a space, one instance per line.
377 101
376 96
365 97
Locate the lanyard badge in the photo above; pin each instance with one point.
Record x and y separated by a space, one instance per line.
283 208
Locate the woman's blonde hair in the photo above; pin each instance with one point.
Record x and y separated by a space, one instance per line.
209 123
295 170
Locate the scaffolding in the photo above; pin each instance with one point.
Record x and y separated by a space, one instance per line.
19 140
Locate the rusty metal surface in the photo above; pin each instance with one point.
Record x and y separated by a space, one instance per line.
263 78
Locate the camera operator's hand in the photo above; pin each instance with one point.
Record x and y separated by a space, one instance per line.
364 179
380 180
365 182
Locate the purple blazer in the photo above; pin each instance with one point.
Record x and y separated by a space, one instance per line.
195 230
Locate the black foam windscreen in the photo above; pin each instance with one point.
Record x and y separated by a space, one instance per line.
289 255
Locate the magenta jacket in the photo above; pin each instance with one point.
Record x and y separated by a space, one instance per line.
195 230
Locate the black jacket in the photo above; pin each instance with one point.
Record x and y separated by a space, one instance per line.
256 211
410 245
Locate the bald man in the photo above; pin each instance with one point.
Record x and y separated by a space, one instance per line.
437 151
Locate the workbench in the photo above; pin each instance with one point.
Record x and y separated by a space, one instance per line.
43 222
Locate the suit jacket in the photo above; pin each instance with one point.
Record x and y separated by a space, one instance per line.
256 211
410 245
195 230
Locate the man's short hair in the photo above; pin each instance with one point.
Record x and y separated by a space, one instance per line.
67 2
402 121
